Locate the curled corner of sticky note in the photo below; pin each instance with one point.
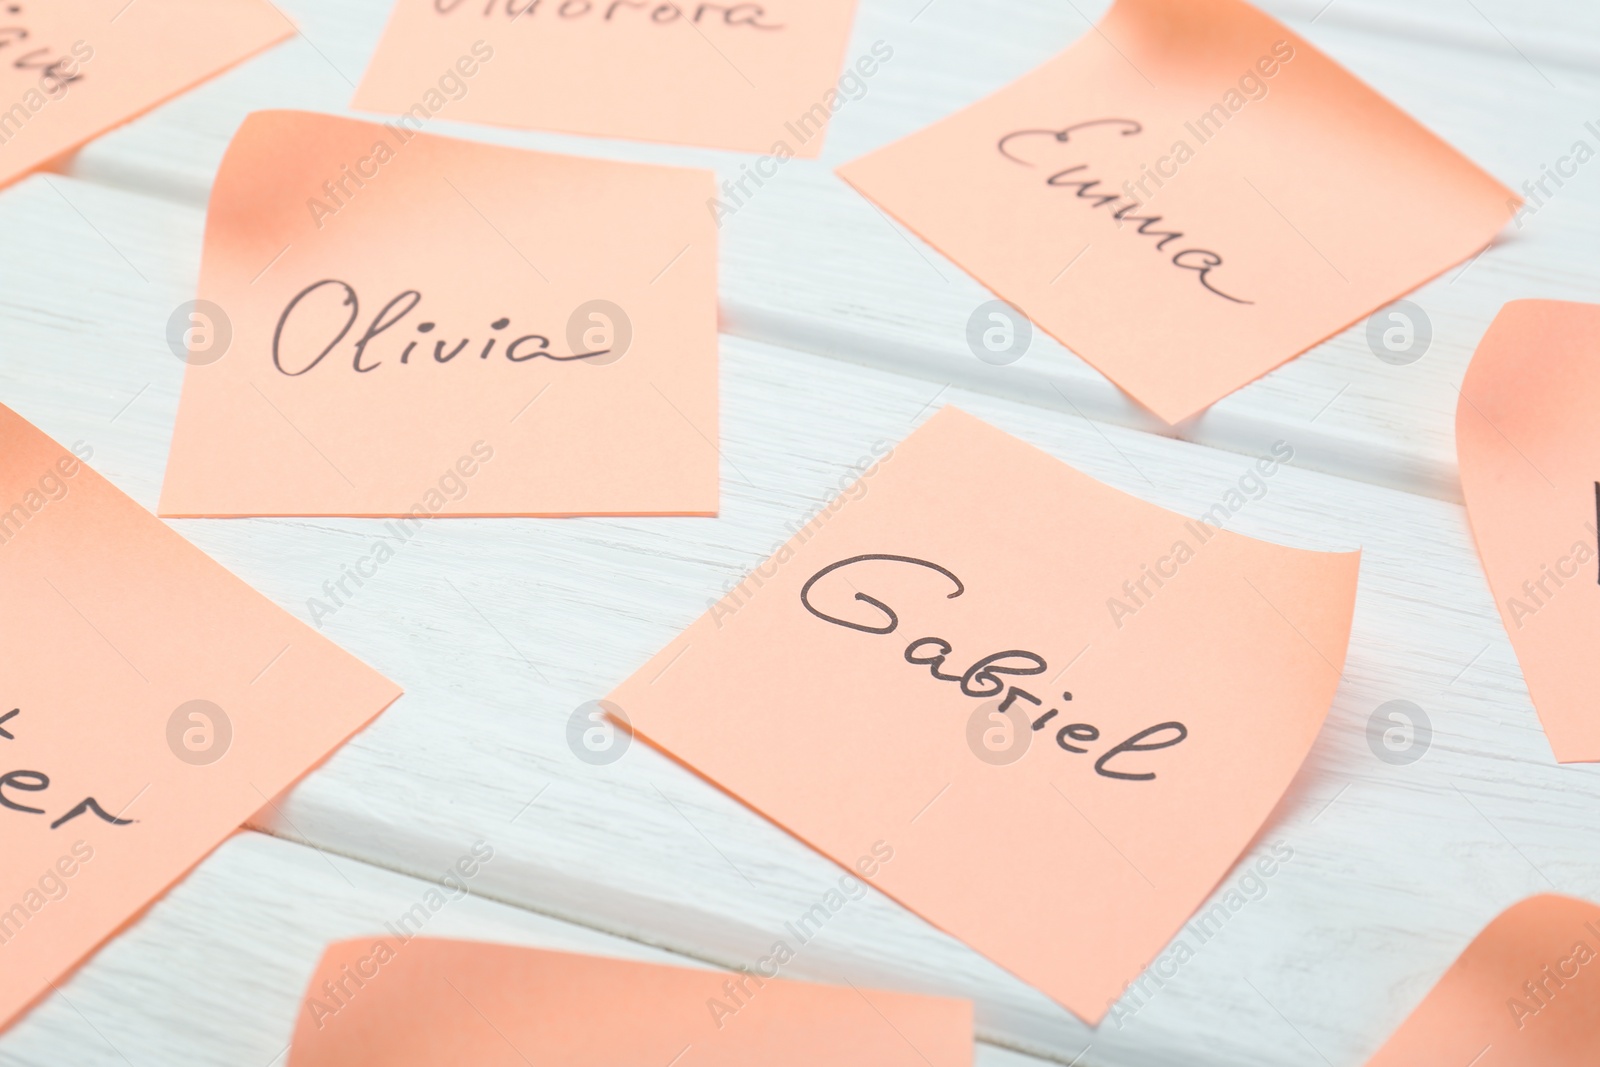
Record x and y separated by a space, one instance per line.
423 1000
1520 995
1530 476
322 998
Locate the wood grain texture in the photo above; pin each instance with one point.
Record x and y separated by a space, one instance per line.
213 973
809 264
843 333
498 629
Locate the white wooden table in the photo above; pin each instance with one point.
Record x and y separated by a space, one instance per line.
839 331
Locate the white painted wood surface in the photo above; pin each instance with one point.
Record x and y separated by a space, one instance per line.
809 264
841 334
213 973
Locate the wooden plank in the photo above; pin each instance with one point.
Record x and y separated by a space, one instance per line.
214 972
808 264
1394 867
1551 33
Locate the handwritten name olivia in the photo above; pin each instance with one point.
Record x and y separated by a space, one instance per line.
295 363
1202 261
986 678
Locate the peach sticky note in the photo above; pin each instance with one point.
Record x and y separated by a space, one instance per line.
72 69
1530 471
752 77
1525 993
150 703
1042 714
1187 197
392 323
392 1002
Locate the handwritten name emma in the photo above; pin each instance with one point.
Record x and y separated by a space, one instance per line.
1019 144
